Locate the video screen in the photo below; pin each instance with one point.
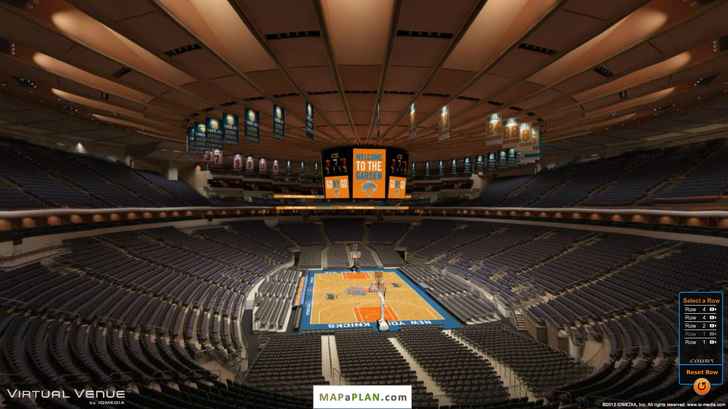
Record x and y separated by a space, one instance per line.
369 173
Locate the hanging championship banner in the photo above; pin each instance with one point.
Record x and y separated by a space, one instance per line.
427 168
494 130
441 168
454 167
444 124
530 151
238 162
511 133
279 122
413 170
230 129
288 167
274 168
412 121
213 133
262 166
308 121
479 164
252 126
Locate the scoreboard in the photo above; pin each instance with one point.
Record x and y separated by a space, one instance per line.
365 172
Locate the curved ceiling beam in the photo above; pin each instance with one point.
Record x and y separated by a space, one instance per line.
161 134
94 35
111 108
218 25
500 26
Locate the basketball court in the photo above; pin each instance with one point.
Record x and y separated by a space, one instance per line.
336 299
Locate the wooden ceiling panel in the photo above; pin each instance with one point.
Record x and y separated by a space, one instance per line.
430 15
448 81
405 79
116 11
581 82
293 33
487 86
601 103
156 32
328 102
272 82
417 51
638 57
314 79
394 102
142 83
605 10
300 52
361 102
337 117
551 34
359 77
201 64
27 33
706 27
90 61
236 87
280 16
517 92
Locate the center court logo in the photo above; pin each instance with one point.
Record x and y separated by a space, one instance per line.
362 396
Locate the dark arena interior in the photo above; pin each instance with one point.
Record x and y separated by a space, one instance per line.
504 204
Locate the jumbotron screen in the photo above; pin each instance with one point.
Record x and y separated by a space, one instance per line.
365 172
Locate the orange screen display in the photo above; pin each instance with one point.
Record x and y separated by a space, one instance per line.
397 187
337 187
369 173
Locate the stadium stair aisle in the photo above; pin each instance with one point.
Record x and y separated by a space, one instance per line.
515 386
422 374
330 367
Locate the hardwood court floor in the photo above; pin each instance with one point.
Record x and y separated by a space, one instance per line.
347 306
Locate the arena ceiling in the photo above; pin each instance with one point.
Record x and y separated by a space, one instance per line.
594 74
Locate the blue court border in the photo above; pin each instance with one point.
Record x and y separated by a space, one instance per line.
722 339
448 321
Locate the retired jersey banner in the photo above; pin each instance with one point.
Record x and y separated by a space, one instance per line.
230 129
444 124
217 157
238 162
279 122
213 133
397 187
196 138
194 144
412 121
336 187
309 127
252 126
369 173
